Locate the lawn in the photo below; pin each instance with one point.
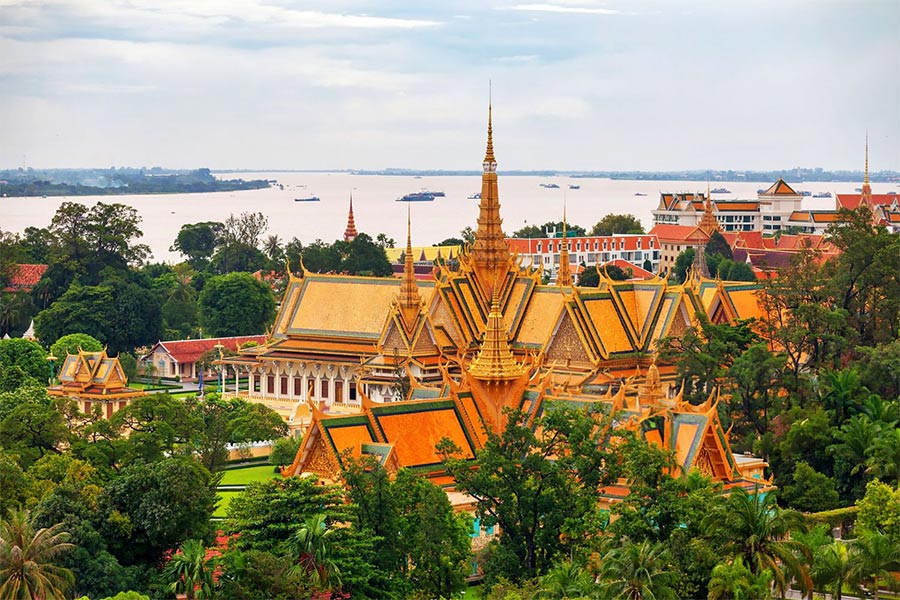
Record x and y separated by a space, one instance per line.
224 501
245 475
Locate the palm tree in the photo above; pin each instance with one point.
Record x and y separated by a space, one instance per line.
844 389
272 248
857 436
751 526
566 580
27 571
832 568
885 459
191 571
638 572
734 581
872 559
313 546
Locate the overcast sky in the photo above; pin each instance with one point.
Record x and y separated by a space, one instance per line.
577 84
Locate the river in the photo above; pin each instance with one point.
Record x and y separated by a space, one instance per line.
523 201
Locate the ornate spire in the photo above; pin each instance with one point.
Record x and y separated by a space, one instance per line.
410 301
708 223
495 361
866 192
350 233
489 251
564 274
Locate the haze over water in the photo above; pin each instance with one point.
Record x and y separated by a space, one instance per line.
523 201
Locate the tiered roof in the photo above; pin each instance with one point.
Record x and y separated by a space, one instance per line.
92 375
190 351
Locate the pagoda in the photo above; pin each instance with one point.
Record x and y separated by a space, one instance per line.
96 382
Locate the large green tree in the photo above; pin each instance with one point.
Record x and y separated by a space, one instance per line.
236 304
536 481
27 355
154 507
612 224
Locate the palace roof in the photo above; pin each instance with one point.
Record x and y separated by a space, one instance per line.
628 242
423 253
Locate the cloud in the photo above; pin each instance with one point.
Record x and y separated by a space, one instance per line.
563 8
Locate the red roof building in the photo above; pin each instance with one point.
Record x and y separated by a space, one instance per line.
25 277
178 358
596 250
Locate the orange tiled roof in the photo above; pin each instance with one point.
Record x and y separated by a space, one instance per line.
748 205
587 243
677 233
25 277
780 188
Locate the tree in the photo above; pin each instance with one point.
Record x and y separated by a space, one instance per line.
73 342
364 257
885 458
154 507
734 581
567 580
752 527
191 572
704 354
879 511
683 262
864 277
198 241
235 304
613 224
536 485
16 311
284 450
873 557
27 559
810 491
435 538
550 229
854 443
122 315
832 568
717 251
34 427
754 376
638 572
27 355
312 543
589 277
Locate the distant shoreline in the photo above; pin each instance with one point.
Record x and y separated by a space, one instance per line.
714 176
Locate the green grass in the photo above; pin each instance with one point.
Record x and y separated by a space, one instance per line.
224 500
473 592
245 475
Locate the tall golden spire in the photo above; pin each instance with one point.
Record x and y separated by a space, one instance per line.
709 223
410 301
495 361
489 251
350 232
866 192
564 274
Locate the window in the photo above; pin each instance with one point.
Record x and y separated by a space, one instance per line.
284 385
539 247
298 389
270 384
324 393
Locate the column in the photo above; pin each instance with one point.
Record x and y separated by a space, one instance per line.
277 382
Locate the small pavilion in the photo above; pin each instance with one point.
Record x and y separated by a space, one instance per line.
94 379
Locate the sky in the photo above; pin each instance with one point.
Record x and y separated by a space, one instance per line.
576 84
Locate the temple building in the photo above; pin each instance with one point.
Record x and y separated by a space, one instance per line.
94 380
389 366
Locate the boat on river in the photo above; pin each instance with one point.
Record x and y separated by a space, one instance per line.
309 199
417 197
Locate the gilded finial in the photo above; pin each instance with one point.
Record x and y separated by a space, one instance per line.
866 176
410 301
489 153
